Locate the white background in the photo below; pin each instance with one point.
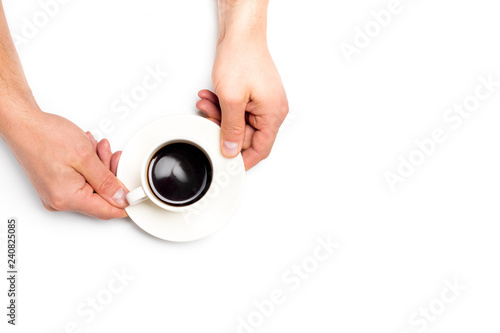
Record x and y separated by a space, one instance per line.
348 124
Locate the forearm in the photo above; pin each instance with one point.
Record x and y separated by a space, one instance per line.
243 19
16 100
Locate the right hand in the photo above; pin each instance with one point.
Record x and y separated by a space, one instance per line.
68 168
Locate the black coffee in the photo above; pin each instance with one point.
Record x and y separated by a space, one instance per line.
179 174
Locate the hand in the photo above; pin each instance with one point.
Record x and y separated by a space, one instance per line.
103 150
69 169
249 96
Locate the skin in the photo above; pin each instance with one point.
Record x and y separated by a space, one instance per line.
70 170
250 102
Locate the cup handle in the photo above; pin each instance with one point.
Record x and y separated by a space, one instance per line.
136 196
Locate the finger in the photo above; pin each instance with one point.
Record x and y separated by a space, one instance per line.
92 140
102 180
251 158
104 152
232 125
207 94
115 159
262 143
249 131
209 108
89 203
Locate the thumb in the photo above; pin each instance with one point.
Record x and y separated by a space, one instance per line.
232 126
103 181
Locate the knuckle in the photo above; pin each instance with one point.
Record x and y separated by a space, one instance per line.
48 207
230 97
284 109
231 100
106 184
81 152
233 129
57 202
265 154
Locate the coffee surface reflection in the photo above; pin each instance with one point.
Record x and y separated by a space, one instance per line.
179 174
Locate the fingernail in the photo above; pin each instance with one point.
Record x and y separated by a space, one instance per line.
120 197
92 137
230 148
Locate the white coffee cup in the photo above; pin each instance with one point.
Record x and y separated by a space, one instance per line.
178 167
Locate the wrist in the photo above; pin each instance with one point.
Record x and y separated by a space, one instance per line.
16 115
243 19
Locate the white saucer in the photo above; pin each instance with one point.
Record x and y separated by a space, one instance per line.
226 188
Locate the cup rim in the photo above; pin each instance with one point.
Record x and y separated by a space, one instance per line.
144 174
